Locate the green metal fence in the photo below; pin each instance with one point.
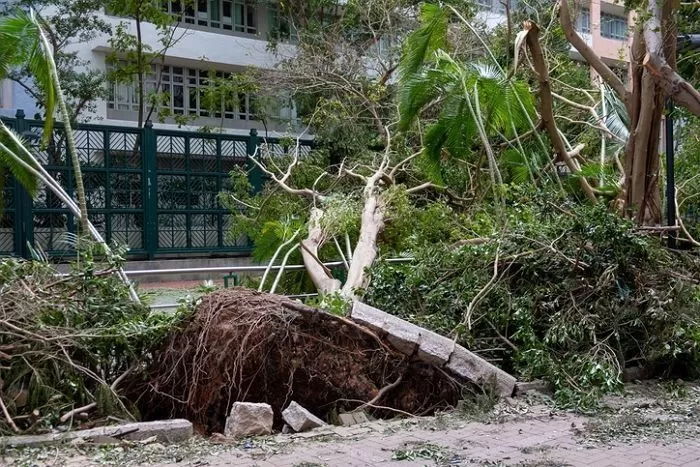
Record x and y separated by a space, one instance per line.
151 189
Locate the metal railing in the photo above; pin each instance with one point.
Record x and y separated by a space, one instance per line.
243 269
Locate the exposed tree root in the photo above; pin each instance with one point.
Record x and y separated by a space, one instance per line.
243 345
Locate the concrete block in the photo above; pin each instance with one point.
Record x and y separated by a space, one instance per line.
368 316
164 431
249 419
434 348
473 368
353 418
346 419
300 419
401 334
523 387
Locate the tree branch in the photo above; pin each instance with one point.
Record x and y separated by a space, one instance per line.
546 105
588 54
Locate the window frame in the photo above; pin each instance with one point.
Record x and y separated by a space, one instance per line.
583 21
211 14
187 82
614 26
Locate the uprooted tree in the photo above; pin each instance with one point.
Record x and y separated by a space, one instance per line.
653 79
379 182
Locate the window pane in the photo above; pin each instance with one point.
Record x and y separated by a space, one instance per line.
214 10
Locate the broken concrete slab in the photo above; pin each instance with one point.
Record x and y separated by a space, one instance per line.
524 387
300 419
346 419
249 419
434 348
352 418
165 431
369 316
401 334
473 368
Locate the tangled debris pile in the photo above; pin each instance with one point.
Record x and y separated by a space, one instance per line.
243 345
68 342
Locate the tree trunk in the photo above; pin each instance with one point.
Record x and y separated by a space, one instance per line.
320 275
371 225
139 66
70 137
547 106
653 79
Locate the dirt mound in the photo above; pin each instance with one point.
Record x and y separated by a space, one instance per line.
243 345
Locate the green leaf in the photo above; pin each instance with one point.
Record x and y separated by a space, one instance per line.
421 43
10 152
20 44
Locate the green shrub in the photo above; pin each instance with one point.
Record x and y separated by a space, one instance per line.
576 296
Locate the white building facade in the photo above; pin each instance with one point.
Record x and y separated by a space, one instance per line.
214 38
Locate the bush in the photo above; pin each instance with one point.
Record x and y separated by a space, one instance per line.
576 296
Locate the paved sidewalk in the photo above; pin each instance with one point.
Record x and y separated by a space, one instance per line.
545 441
645 427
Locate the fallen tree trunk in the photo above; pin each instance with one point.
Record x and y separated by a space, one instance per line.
371 225
547 106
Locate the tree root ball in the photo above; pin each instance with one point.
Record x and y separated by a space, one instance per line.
243 345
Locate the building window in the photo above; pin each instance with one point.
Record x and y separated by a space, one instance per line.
613 27
183 91
583 22
230 15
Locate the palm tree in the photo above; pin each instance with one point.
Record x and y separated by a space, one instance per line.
471 100
22 41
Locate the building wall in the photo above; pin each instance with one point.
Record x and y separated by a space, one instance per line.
614 51
200 48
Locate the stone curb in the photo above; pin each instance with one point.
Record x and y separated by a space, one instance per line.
165 431
433 348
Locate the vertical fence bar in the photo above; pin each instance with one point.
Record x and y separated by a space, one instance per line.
148 155
24 219
255 175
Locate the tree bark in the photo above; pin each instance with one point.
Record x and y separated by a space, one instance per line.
654 78
320 275
547 105
371 225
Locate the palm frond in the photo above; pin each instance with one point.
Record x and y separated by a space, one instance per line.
517 165
433 142
616 118
20 45
417 92
11 153
421 43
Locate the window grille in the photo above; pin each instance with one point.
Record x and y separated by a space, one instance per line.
613 27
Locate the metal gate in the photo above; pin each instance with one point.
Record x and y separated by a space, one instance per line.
156 191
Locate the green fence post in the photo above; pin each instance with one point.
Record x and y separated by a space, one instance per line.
148 141
24 220
255 175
